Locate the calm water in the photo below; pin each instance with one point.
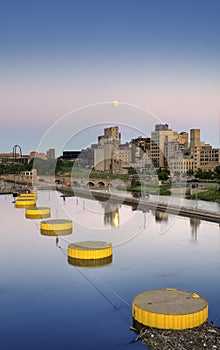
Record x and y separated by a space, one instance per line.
46 303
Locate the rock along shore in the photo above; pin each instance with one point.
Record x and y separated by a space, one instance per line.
206 336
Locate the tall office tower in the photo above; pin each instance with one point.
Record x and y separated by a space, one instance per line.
161 136
51 153
112 134
195 145
194 138
183 139
104 153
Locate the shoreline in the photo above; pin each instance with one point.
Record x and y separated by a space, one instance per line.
206 336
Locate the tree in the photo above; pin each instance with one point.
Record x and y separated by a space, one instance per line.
204 174
217 172
190 172
163 174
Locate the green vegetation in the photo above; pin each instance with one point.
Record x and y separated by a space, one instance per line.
208 174
211 195
64 167
163 174
217 172
153 189
68 168
14 168
108 176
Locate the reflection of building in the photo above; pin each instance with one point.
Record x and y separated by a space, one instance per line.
111 215
160 216
194 224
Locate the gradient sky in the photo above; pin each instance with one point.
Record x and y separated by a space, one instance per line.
55 56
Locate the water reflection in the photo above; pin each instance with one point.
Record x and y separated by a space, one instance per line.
111 214
160 216
194 224
55 232
90 262
50 286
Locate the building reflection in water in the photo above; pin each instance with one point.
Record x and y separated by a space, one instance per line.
194 224
111 214
160 216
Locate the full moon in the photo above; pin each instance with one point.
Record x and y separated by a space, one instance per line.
115 103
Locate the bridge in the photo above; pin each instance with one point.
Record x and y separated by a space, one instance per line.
95 183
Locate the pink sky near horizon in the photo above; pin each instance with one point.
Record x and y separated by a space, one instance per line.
32 105
61 55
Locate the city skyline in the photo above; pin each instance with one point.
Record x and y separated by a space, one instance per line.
58 56
123 139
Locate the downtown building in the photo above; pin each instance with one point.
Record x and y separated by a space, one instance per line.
180 152
184 156
112 156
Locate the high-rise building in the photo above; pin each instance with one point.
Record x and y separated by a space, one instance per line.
161 136
112 134
198 156
51 153
195 145
104 153
39 155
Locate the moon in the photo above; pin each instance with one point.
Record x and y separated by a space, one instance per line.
115 103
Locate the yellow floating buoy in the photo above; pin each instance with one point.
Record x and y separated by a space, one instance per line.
25 202
37 213
90 262
90 250
169 309
56 227
31 194
24 198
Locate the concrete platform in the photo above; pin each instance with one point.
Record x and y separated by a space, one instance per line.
38 213
56 227
169 309
90 250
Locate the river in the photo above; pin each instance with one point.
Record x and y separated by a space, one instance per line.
47 303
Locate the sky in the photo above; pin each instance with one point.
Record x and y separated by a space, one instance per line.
59 56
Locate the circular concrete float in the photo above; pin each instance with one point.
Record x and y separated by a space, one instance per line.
37 213
89 250
25 202
27 195
169 309
90 262
56 227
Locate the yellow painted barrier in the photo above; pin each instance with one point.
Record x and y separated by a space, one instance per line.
26 203
169 309
31 194
37 213
56 227
89 250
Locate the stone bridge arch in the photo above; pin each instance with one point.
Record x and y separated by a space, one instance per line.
90 184
101 184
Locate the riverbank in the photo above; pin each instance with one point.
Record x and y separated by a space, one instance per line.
210 195
142 203
206 336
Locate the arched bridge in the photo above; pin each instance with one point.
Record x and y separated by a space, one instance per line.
97 182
